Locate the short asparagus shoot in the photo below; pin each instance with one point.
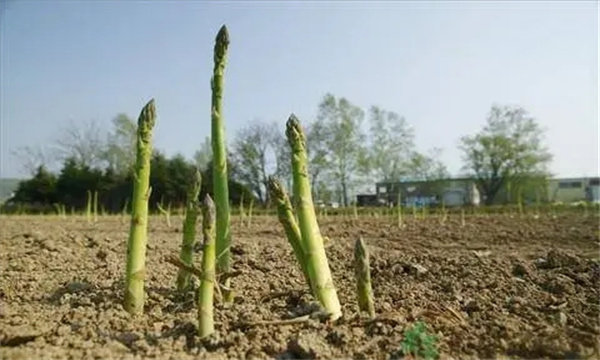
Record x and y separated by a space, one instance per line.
362 272
205 296
138 233
166 212
399 210
88 207
250 207
285 213
95 205
186 255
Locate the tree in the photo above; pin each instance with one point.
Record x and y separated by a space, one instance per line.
203 156
283 159
40 189
509 146
85 144
32 158
74 181
341 125
318 160
120 153
251 150
392 141
427 166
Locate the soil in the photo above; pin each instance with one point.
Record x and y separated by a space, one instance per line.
495 287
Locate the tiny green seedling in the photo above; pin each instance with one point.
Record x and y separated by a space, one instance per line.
418 344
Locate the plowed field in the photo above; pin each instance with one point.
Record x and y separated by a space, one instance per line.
496 287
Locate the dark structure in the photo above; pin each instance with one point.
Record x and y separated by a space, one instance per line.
367 200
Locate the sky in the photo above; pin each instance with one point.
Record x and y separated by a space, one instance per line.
441 65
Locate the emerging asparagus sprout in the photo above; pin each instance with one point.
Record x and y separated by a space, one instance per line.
206 290
186 254
362 273
166 212
399 210
138 233
287 219
95 205
88 207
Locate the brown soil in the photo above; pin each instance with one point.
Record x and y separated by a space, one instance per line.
498 287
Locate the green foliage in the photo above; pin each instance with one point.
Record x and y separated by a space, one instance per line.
170 179
120 147
203 155
508 147
340 121
41 189
427 166
392 143
419 344
7 187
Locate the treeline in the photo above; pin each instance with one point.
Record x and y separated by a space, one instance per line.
349 150
169 180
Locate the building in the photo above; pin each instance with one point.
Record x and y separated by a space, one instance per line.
450 192
574 189
463 191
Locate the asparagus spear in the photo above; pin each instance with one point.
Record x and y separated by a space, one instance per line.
186 254
221 187
312 241
138 233
205 293
362 273
288 221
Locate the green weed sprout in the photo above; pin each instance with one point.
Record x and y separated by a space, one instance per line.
419 344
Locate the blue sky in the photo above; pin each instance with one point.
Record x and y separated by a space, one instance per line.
440 64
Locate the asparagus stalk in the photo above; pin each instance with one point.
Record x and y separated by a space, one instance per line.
249 219
125 205
288 221
186 255
316 258
166 212
88 207
242 213
95 205
399 210
138 233
221 187
362 273
205 294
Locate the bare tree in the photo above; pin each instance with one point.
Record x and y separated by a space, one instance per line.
252 148
32 157
85 143
283 159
